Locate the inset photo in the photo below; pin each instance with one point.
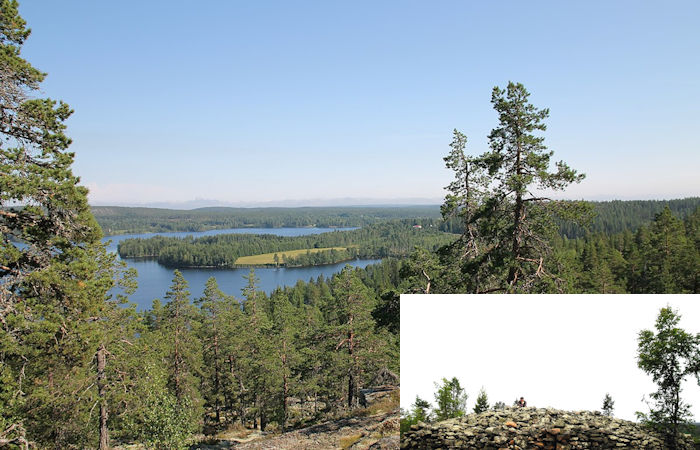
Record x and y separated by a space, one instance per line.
550 371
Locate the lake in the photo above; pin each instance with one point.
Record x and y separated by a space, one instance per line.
154 279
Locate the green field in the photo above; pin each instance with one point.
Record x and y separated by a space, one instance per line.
269 258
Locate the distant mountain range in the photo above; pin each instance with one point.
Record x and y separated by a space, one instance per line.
292 203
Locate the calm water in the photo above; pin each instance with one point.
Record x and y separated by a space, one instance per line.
155 279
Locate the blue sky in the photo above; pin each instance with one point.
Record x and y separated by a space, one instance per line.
258 102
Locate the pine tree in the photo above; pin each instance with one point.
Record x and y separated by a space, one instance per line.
505 245
352 329
179 351
285 329
55 274
517 225
465 195
482 402
608 405
665 254
218 313
258 360
420 412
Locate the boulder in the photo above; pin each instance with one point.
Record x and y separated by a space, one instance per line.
522 428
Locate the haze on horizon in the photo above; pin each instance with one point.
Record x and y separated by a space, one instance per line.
316 104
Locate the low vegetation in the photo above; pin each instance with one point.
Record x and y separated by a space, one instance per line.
281 258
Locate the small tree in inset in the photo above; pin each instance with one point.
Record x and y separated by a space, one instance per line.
482 402
420 412
670 355
451 400
498 406
608 405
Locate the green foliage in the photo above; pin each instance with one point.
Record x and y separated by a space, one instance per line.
55 275
663 257
451 400
375 241
482 402
506 230
498 406
616 216
608 405
420 412
123 220
352 329
516 224
160 420
670 355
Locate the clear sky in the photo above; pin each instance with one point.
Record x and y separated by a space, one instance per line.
560 351
263 101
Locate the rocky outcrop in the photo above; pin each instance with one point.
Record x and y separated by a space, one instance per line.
532 428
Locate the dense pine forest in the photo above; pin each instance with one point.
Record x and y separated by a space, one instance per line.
607 216
123 220
618 216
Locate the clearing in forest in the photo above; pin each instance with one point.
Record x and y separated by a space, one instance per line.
269 258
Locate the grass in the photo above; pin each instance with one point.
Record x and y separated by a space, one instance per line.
236 431
348 441
384 405
269 258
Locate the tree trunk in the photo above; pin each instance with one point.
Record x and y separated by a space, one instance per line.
178 364
285 379
241 406
101 392
351 370
517 218
217 406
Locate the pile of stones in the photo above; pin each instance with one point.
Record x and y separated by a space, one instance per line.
532 428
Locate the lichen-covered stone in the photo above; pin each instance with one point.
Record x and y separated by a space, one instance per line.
523 428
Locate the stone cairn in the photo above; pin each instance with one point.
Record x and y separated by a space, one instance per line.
533 428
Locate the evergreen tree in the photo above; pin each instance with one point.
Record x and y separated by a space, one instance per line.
420 412
608 405
482 402
353 330
258 359
179 351
507 231
667 249
55 274
516 224
465 195
498 406
219 313
178 327
285 329
312 346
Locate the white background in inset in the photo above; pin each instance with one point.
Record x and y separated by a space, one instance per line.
562 351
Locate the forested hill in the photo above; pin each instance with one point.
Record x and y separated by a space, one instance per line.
617 216
393 238
122 220
610 217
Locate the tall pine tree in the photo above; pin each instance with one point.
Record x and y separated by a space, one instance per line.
55 274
